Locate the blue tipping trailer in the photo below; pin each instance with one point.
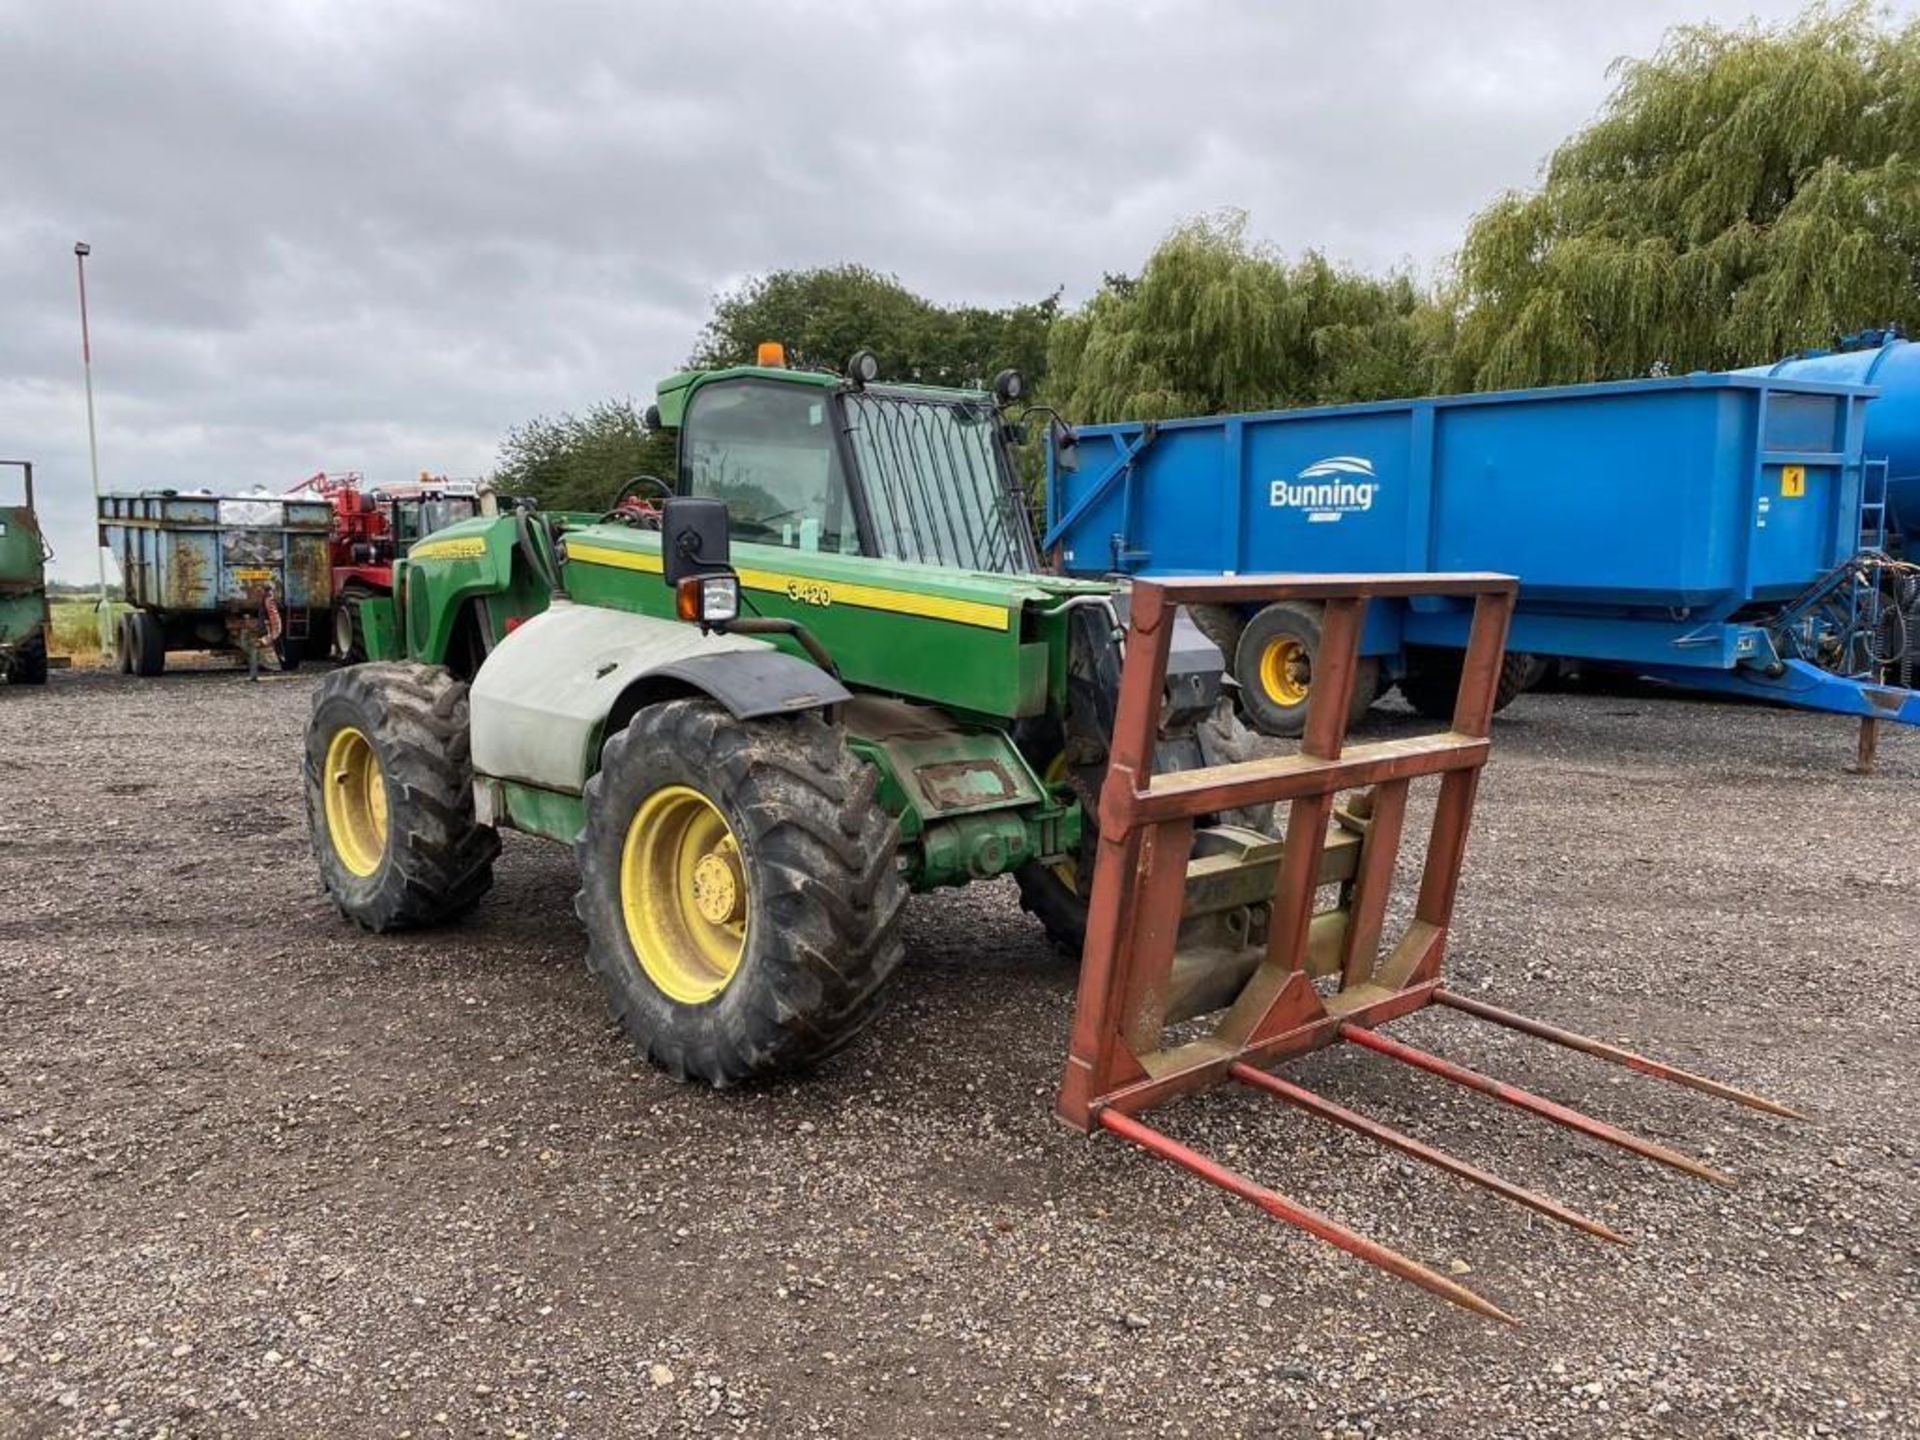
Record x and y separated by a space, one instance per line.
1704 529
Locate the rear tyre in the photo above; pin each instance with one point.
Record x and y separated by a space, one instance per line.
389 786
1432 682
30 660
149 644
124 635
740 890
1273 664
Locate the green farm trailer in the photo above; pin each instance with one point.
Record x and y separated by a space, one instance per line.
25 620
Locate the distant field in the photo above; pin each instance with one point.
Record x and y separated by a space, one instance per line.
76 632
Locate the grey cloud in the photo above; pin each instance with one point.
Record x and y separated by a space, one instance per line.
377 234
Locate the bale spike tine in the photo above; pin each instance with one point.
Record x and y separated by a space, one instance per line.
1314 1223
1601 1050
1326 1109
1527 1100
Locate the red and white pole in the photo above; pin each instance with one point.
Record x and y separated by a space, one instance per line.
104 613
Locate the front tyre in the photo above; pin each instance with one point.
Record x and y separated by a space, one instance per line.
1056 894
389 787
740 890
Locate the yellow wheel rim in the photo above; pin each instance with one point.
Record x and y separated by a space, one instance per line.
1285 671
1067 871
356 801
683 893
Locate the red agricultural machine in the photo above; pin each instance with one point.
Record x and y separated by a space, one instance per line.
373 527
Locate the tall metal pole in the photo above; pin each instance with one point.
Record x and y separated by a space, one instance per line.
103 614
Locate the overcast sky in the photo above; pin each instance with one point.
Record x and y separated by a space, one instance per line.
344 235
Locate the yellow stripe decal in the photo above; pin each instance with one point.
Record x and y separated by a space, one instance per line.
461 547
806 590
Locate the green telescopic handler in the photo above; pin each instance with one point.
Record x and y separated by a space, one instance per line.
820 668
764 700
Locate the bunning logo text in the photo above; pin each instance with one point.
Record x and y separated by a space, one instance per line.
1327 489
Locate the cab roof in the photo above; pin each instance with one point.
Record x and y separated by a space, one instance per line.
672 394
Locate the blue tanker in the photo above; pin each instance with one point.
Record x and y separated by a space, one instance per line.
1705 529
1890 364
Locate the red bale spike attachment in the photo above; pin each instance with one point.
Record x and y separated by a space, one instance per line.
1311 1221
1601 1050
1527 1100
1317 1105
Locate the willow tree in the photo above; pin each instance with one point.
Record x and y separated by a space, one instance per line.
823 315
1743 193
1217 322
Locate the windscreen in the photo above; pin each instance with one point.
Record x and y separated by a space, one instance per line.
767 449
935 481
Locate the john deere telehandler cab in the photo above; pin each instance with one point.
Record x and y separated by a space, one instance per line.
762 701
811 461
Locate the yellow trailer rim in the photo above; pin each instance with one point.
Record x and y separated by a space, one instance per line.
683 894
1285 671
356 801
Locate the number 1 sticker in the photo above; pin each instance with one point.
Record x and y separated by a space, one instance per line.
1793 482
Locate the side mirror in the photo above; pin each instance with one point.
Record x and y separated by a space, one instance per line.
1065 444
651 420
693 537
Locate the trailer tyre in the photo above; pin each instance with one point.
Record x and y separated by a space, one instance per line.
123 633
389 787
1432 682
349 631
1222 625
149 647
30 660
740 890
1273 664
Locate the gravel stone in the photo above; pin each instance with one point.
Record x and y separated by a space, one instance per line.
427 1171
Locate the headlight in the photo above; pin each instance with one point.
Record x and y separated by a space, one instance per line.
708 599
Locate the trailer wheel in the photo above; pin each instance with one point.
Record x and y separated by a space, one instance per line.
349 631
1432 682
1273 664
149 647
30 660
740 890
123 642
1222 625
389 788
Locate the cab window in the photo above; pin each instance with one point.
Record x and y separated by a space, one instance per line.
768 450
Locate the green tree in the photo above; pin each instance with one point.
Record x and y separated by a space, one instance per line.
1744 193
579 462
1217 322
823 315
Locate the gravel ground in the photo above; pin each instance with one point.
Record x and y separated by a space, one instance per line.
262 1175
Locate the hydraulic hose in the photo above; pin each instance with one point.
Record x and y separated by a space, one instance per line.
542 553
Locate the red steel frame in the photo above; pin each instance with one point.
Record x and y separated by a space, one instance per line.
1117 1066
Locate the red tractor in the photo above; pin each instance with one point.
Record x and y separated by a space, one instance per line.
374 527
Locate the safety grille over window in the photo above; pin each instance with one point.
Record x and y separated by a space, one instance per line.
935 483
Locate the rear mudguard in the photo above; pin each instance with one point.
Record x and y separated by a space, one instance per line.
542 702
